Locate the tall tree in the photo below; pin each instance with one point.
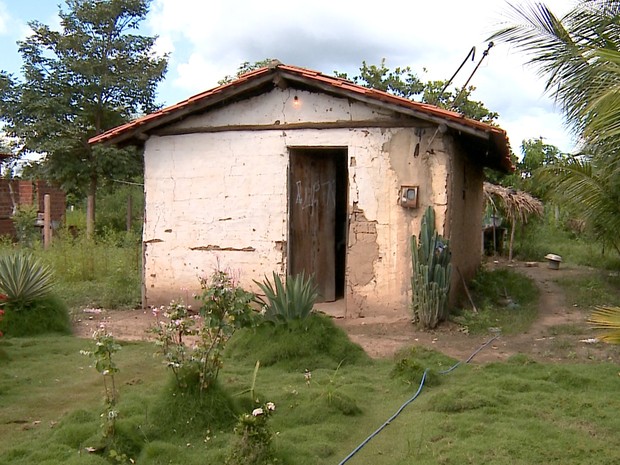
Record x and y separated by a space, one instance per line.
95 73
403 82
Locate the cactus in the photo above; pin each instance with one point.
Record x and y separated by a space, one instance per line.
430 281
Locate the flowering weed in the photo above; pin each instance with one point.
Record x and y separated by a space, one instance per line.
253 445
224 307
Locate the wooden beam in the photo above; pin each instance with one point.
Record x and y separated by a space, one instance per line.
289 126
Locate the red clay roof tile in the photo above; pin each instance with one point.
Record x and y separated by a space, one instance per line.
342 84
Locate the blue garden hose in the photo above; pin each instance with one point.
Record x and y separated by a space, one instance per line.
415 396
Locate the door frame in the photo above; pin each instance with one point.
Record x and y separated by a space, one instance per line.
341 233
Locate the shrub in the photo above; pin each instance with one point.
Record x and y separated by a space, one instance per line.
410 365
224 308
26 229
293 301
24 279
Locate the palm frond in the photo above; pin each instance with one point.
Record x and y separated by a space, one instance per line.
607 319
566 51
576 183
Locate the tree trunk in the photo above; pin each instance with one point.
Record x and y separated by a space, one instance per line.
90 208
512 238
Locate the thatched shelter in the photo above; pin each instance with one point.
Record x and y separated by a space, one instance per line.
516 205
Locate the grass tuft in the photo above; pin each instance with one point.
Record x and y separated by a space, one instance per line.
309 344
182 412
41 316
410 365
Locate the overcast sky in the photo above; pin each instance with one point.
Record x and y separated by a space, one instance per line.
208 39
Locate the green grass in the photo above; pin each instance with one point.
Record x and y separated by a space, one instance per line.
41 316
599 288
517 412
539 238
505 299
100 273
297 345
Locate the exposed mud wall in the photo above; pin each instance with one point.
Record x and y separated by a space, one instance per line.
219 199
464 225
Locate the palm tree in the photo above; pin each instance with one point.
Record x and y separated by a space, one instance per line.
579 57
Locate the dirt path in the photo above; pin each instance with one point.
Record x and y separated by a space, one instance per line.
555 335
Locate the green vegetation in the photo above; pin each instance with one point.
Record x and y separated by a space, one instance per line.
476 414
23 280
104 272
287 302
43 316
98 49
576 247
29 306
431 269
578 56
592 289
505 299
309 344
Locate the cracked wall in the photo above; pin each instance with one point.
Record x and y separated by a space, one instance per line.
219 199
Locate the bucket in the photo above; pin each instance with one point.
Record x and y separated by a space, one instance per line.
554 261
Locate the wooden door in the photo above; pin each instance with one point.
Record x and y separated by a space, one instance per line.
312 218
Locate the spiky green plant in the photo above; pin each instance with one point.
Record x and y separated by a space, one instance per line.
24 279
608 319
430 280
291 301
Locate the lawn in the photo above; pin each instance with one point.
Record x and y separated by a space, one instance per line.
518 412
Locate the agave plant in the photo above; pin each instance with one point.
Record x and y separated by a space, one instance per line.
608 319
286 302
23 279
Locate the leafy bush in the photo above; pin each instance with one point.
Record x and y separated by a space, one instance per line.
293 301
26 229
225 307
24 279
253 443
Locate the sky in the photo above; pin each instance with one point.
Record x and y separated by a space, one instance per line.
208 39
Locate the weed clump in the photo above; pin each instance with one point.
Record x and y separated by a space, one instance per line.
410 365
315 342
182 411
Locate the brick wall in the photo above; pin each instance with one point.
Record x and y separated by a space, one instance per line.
27 193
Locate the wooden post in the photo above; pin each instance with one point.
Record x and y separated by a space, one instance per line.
129 211
47 221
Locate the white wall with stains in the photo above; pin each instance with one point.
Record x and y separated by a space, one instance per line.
219 199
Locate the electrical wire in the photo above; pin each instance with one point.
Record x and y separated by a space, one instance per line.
414 397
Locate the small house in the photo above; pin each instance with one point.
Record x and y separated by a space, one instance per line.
286 169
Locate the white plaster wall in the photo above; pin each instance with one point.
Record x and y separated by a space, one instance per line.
228 190
280 107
